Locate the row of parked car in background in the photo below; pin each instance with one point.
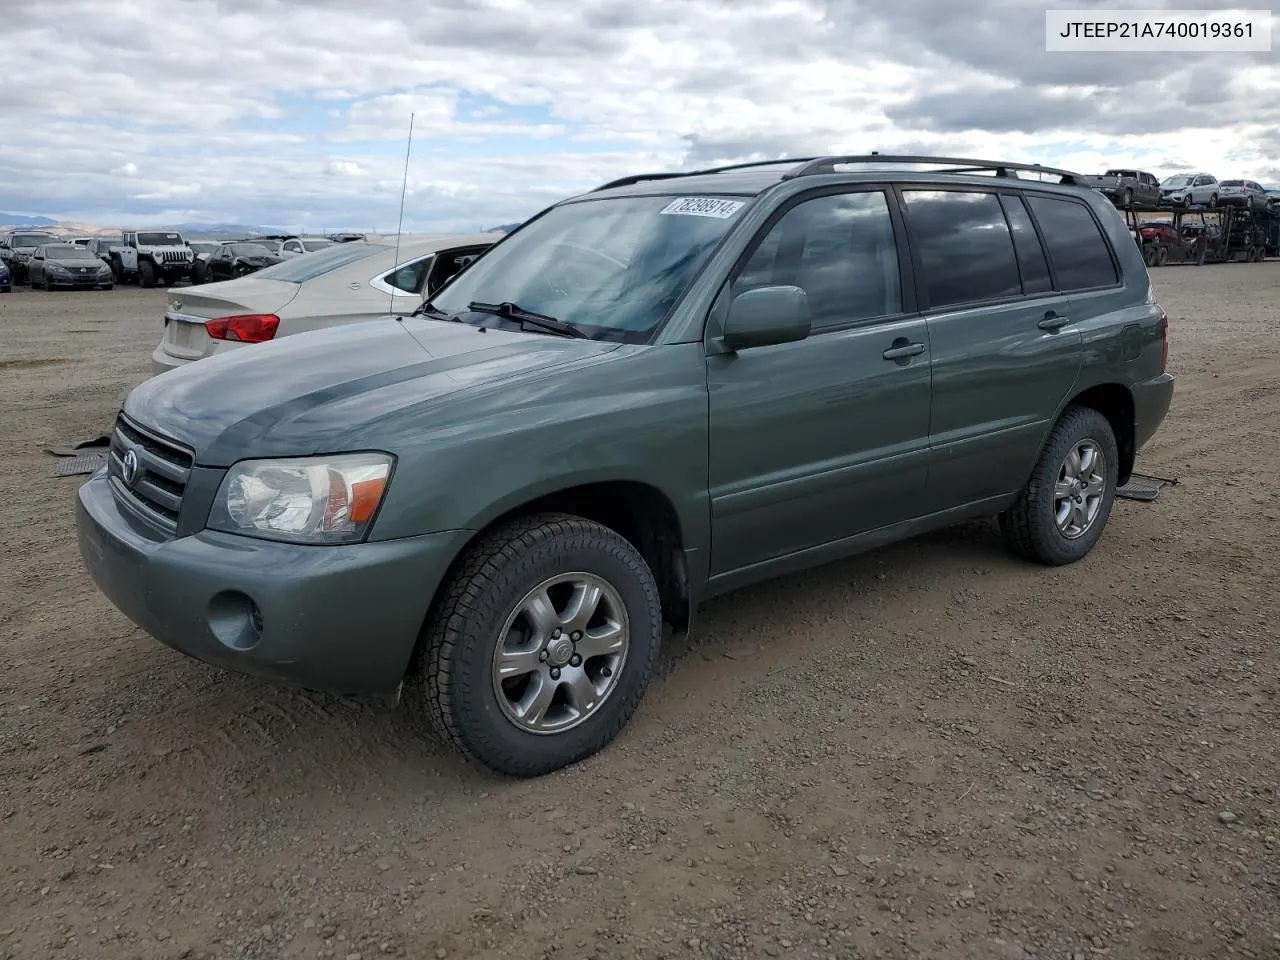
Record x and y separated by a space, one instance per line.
1138 188
146 257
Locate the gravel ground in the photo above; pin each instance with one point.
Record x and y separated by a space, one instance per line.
931 751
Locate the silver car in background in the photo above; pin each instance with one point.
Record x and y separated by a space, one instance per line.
1189 189
70 266
343 283
296 246
1248 194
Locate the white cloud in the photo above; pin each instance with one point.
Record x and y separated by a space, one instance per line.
295 111
344 168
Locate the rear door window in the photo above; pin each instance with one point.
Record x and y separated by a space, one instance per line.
1078 249
966 249
410 276
1032 263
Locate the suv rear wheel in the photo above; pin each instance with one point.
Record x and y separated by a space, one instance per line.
1061 512
540 646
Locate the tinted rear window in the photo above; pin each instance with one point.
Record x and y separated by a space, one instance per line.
302 269
965 246
1233 183
1031 259
1080 253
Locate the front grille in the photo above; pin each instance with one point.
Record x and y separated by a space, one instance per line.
161 478
173 256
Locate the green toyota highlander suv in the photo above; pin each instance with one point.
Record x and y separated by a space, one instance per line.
671 387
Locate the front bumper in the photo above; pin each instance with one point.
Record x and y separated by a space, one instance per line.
343 619
162 361
77 282
1151 400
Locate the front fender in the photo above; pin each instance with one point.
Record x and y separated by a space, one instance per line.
637 415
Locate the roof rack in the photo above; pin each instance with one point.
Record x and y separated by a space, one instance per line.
642 177
962 165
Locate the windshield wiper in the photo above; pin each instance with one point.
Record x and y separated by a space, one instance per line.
512 311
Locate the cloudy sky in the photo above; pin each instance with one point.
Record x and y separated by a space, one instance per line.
294 113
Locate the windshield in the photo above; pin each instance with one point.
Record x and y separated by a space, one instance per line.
32 239
250 250
1176 182
302 269
610 267
202 246
311 245
160 239
68 252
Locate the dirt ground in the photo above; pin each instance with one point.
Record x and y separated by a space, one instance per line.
930 751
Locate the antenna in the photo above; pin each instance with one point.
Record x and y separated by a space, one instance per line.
404 187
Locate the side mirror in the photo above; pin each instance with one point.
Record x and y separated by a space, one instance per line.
765 316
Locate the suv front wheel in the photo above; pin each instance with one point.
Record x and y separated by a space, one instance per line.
540 646
1061 512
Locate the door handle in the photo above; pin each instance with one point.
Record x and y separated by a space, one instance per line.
1053 321
903 350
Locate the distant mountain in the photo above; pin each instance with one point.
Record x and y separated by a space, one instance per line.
505 228
219 229
20 220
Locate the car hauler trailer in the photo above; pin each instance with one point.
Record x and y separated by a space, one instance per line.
1232 234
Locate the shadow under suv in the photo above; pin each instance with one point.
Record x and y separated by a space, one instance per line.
670 387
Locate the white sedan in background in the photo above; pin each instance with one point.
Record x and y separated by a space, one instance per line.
297 246
340 284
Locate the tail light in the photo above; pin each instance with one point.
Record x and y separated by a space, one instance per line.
247 328
1164 341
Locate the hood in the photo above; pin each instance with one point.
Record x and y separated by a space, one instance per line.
259 261
228 297
89 263
321 391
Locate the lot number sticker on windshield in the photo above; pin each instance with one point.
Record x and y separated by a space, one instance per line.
703 207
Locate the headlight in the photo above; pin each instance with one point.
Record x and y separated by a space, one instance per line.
304 500
54 268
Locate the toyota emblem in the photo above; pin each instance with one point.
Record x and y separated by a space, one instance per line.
129 468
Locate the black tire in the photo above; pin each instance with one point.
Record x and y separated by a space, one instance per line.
1213 200
450 684
146 274
1149 256
109 286
1128 198
1163 257
197 272
1029 526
